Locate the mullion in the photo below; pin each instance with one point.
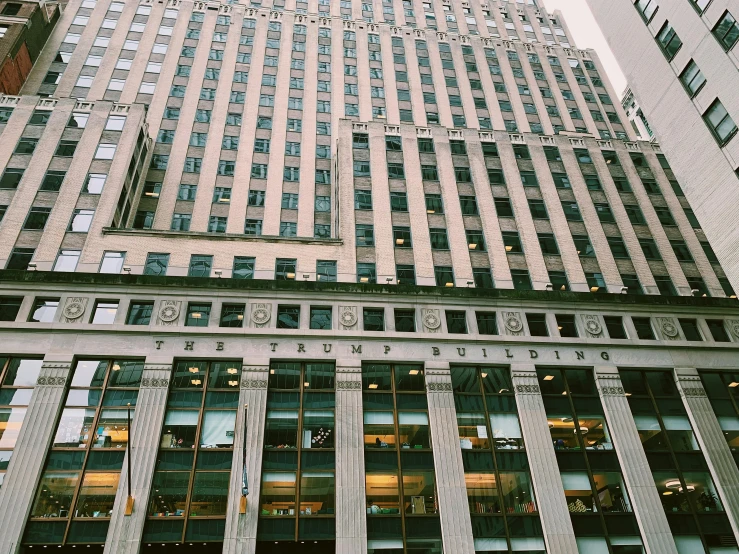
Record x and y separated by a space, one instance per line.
495 458
299 446
581 441
678 469
75 497
191 481
401 489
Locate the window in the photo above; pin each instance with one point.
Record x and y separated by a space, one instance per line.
405 274
537 325
665 286
596 282
81 221
692 79
217 224
398 202
395 171
112 262
198 315
373 319
26 145
720 122
402 237
647 8
439 240
115 123
559 280
320 317
139 313
104 312
285 269
718 330
682 252
243 268
690 329
156 264
548 244
605 214
726 31
366 273
456 322
288 317
669 41
105 151
200 266
538 209
365 235
288 229
326 271
67 148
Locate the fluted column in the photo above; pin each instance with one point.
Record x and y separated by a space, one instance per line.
550 496
645 501
29 454
125 531
711 439
241 529
351 512
451 491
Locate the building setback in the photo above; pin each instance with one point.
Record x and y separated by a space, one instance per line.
681 64
392 277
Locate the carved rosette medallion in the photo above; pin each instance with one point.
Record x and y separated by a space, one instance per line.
348 316
592 325
74 309
668 328
734 326
439 387
169 311
431 319
261 314
513 323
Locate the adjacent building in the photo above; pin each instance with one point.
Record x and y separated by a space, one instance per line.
24 28
636 116
391 277
681 64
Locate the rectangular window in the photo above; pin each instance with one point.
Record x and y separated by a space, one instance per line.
104 312
198 315
374 319
139 313
669 41
726 31
537 325
643 326
720 122
692 79
288 317
456 322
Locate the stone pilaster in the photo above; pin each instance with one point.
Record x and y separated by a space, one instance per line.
351 513
125 532
550 497
241 529
711 439
451 491
645 501
29 455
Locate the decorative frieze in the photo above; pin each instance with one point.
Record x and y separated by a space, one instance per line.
51 381
154 383
254 384
439 387
734 326
349 385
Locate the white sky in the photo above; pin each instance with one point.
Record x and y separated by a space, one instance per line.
586 34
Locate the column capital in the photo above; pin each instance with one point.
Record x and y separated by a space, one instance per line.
436 368
54 374
156 375
689 383
348 366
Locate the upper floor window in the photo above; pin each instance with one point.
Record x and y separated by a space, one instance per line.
726 31
647 8
720 122
669 41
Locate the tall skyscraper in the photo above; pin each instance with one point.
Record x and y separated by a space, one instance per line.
680 59
392 277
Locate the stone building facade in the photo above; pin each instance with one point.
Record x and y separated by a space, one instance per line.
681 64
359 277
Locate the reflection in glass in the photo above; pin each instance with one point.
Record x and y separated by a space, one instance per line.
180 427
379 430
112 429
506 431
316 493
517 492
473 433
224 375
55 494
22 373
382 494
281 429
278 493
413 430
419 492
671 492
318 429
169 493
702 491
74 428
611 492
650 433
218 429
578 493
680 433
89 373
97 495
482 493
209 493
11 420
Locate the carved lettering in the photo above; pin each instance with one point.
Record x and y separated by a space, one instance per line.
387 349
580 354
605 355
219 346
556 353
301 347
435 351
159 344
272 346
327 348
508 353
484 353
534 354
356 349
461 351
189 344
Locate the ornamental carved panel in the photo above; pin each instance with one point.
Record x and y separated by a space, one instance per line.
74 309
668 328
169 312
261 313
348 317
512 323
733 326
431 319
592 325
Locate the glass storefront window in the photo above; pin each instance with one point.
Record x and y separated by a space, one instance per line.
578 492
473 433
11 420
506 431
318 429
482 493
413 430
611 492
281 429
316 493
84 464
192 476
680 433
382 494
278 493
517 492
379 430
419 492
